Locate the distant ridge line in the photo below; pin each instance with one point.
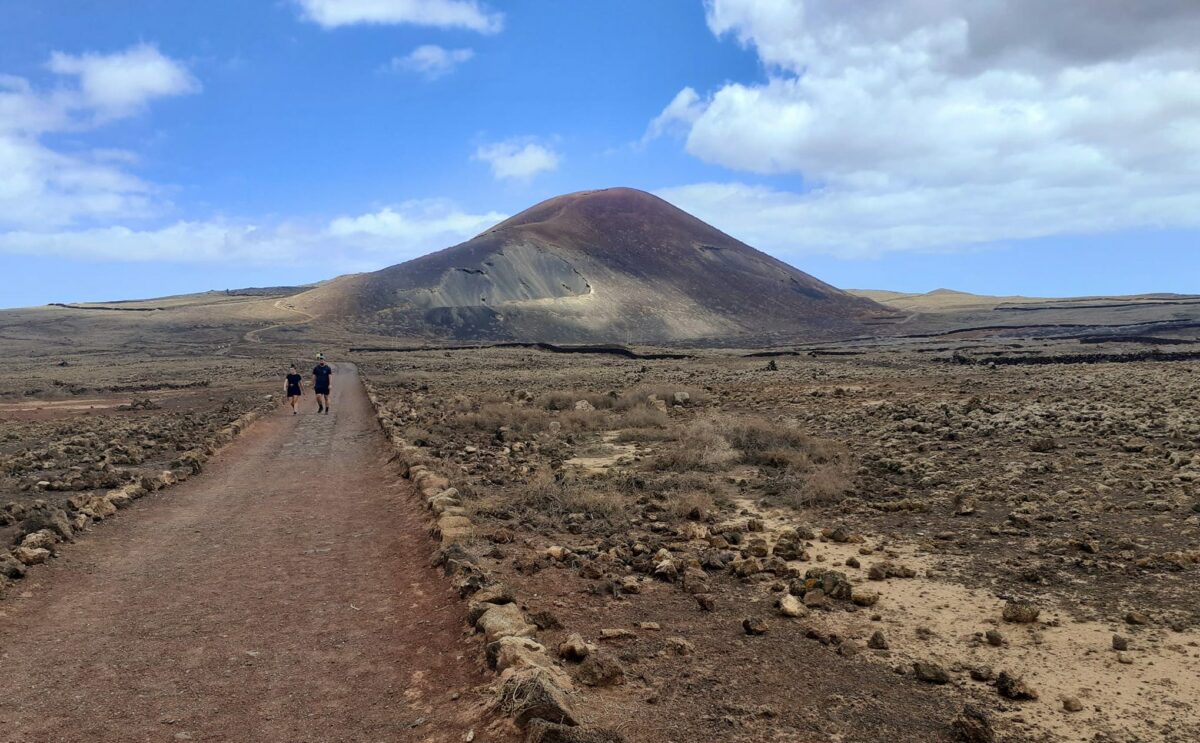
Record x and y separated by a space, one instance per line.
106 309
550 347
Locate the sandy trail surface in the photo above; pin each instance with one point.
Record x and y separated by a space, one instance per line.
282 595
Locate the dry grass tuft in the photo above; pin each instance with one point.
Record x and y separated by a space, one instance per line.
549 499
699 447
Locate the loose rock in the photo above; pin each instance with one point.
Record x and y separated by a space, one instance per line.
754 626
1021 612
930 673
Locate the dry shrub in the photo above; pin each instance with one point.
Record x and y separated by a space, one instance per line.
802 470
760 440
826 485
566 400
554 498
770 444
699 447
491 417
418 435
682 505
812 485
527 421
644 418
639 396
644 436
582 420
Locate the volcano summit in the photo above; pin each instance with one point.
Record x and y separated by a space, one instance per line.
610 266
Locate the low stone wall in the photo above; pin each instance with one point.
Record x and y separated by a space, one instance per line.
532 687
43 527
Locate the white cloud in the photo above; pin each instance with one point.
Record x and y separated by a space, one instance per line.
84 203
43 187
432 61
390 235
937 125
120 84
421 225
679 115
867 222
467 14
517 159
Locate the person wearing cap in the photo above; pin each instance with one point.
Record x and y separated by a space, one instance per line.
321 374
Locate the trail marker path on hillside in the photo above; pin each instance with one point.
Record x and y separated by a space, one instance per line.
283 595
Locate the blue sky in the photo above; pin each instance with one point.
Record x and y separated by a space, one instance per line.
155 147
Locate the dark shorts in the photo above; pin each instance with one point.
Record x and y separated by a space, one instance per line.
321 390
293 392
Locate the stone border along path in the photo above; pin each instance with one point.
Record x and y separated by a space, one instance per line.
46 525
283 595
533 688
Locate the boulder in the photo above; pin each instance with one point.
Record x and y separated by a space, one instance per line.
486 598
574 648
44 539
31 556
815 598
834 584
11 567
600 669
532 695
504 620
97 508
789 547
790 606
1013 687
617 633
453 529
864 596
973 726
754 626
930 673
511 655
666 570
1020 612
48 517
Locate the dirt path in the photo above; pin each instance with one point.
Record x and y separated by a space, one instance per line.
253 335
283 595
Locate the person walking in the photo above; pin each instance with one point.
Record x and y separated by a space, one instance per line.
294 389
321 374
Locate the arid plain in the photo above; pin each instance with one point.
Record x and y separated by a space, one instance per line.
959 532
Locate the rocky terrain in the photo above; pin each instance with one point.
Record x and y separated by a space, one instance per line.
904 544
976 522
82 437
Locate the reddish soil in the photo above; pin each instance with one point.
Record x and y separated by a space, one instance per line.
283 595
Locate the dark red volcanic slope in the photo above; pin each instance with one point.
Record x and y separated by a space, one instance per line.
617 265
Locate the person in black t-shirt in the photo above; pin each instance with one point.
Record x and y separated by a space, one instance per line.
294 389
321 374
